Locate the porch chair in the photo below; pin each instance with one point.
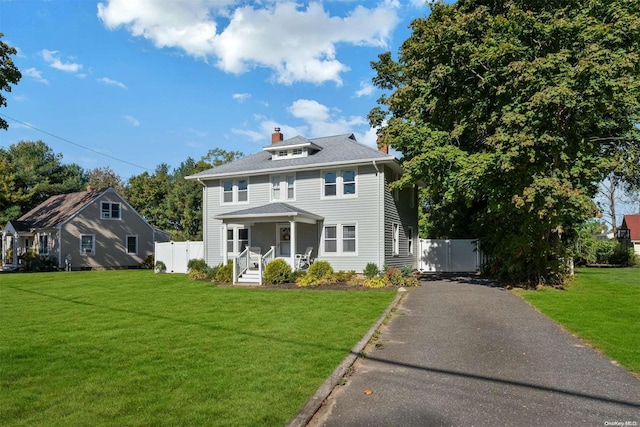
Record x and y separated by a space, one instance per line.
255 256
304 260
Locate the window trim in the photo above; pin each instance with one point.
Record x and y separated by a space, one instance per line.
110 213
235 233
339 184
339 239
235 191
93 245
43 249
126 244
395 238
283 187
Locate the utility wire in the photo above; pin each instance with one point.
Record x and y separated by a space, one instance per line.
74 143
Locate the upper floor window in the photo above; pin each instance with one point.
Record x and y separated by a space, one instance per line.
283 187
235 191
110 210
289 153
339 183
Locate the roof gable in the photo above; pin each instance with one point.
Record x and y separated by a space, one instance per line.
632 223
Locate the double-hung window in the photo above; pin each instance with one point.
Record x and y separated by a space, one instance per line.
109 210
395 238
87 244
132 244
410 239
237 239
283 187
339 239
341 183
43 244
235 191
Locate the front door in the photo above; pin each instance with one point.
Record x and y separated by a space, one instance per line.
283 241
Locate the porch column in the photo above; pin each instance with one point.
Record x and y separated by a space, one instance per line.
225 255
4 247
16 246
292 254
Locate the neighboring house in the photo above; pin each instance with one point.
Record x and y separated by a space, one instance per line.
630 231
330 194
94 228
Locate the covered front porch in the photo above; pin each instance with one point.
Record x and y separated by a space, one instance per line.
256 236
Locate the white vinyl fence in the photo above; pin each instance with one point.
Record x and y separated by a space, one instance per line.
449 256
176 255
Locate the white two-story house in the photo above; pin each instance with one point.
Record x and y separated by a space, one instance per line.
329 194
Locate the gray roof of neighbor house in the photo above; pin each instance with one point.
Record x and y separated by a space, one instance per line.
55 210
333 150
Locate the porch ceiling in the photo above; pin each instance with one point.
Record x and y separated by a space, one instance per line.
273 212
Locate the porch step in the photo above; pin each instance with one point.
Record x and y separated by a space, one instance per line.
250 276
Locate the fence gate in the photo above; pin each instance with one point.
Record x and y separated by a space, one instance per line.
449 256
176 255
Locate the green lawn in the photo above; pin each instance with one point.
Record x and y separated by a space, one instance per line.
602 307
130 348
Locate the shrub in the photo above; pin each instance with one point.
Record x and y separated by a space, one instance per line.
197 269
149 263
222 273
371 271
295 275
277 272
394 276
376 282
604 250
343 276
623 256
320 270
407 271
160 267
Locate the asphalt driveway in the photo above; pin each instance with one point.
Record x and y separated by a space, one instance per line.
459 353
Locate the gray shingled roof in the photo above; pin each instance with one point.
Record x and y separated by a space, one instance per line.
335 150
55 210
272 209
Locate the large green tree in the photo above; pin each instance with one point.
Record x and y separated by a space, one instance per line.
9 74
170 202
30 173
512 112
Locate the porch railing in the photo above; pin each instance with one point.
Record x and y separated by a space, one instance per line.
240 264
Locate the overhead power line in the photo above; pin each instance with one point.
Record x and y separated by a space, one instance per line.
75 143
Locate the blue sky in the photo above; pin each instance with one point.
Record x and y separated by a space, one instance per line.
157 81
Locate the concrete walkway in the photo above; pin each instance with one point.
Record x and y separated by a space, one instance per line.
459 353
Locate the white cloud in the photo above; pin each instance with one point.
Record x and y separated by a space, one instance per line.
36 75
366 89
132 120
251 134
111 82
52 58
241 97
298 43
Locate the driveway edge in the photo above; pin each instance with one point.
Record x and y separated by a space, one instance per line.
315 402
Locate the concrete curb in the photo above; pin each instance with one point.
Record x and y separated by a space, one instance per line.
315 402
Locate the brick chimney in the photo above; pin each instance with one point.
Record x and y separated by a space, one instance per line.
383 148
276 136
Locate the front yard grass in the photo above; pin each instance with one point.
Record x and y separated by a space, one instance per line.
133 348
602 307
